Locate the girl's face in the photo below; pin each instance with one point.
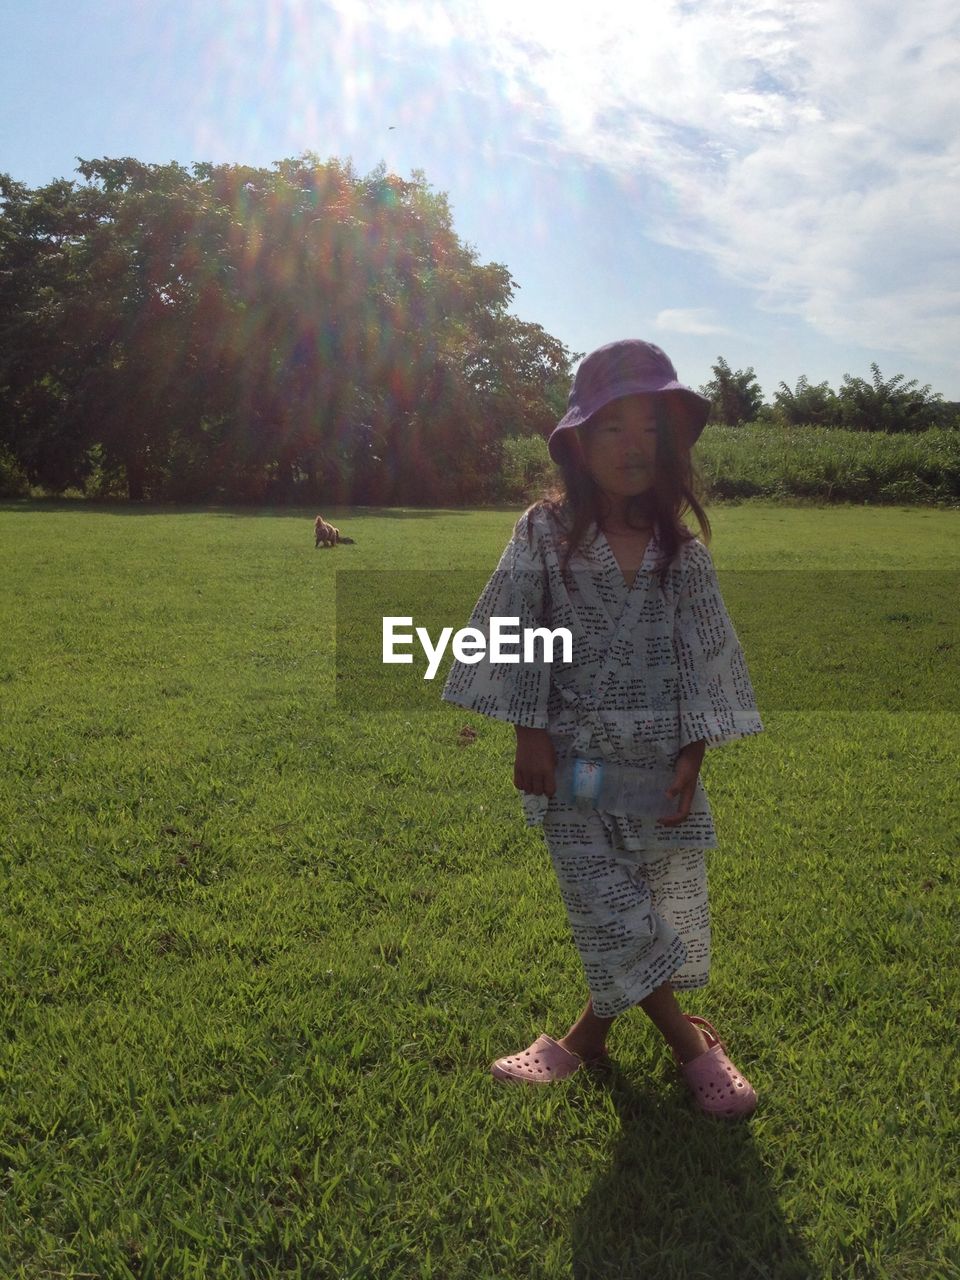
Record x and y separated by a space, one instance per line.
620 446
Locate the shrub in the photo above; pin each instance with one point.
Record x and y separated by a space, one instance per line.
13 482
525 468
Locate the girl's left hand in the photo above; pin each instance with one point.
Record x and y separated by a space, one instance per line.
685 774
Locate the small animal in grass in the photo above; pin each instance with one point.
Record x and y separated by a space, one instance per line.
328 534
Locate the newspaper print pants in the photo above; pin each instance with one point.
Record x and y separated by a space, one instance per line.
639 918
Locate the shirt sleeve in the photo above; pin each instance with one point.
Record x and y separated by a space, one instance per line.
513 691
716 699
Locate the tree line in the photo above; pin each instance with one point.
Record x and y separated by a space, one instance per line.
237 334
301 333
882 404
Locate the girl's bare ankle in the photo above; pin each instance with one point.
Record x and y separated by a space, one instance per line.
584 1049
692 1047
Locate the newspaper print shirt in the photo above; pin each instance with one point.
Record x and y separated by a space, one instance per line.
651 670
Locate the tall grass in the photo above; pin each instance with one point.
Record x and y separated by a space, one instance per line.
821 463
830 464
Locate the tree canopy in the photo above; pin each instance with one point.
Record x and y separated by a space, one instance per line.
882 404
230 333
734 396
814 405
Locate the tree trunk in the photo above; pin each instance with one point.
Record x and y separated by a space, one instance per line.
136 475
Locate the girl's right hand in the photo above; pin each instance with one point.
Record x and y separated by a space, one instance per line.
534 767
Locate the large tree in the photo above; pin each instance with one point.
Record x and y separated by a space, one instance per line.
892 404
224 331
734 396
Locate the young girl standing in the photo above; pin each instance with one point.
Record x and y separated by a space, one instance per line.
610 743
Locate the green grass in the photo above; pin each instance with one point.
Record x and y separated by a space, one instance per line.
259 949
830 464
763 460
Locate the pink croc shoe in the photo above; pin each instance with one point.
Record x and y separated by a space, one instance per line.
543 1063
717 1086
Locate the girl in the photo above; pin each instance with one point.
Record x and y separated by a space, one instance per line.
610 744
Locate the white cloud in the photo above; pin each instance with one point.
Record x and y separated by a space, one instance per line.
808 147
694 320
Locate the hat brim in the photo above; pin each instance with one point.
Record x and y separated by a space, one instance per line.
687 410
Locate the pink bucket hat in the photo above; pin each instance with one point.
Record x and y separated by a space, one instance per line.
628 368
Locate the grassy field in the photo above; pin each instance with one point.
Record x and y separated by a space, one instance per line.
262 941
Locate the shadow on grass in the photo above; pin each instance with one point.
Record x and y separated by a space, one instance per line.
686 1197
339 513
80 506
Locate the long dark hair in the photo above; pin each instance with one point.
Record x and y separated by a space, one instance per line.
577 502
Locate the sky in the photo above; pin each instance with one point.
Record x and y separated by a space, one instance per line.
776 184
